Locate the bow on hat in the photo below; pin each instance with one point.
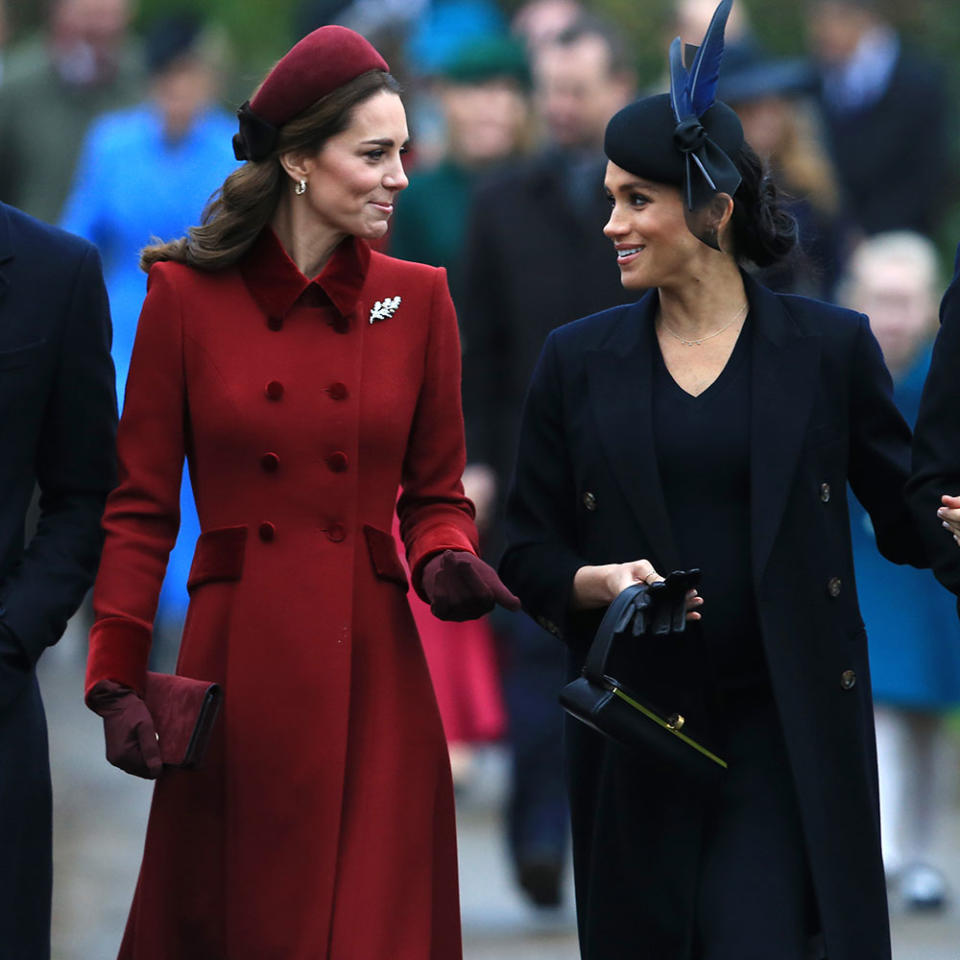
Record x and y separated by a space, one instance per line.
708 171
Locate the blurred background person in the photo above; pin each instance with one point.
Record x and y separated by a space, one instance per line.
148 172
483 91
539 22
692 17
4 37
911 621
886 114
537 258
84 64
774 100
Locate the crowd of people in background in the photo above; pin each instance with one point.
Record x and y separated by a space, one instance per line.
120 136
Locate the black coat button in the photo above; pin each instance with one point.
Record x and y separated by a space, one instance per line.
834 586
848 679
825 492
590 501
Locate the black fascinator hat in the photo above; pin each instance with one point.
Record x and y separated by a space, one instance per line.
687 137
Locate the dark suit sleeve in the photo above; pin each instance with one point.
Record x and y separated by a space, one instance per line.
880 453
936 442
75 469
541 556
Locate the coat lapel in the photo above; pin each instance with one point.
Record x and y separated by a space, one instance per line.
620 380
785 375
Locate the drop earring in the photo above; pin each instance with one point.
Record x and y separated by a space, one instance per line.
301 188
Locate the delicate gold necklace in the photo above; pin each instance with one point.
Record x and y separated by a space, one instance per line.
696 343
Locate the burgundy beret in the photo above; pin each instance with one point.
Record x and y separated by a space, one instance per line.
317 65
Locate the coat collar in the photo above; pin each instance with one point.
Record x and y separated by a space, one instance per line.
276 282
785 367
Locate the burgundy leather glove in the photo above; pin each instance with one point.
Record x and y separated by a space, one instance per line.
461 586
128 729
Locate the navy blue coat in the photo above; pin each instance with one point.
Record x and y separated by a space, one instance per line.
822 414
936 444
57 426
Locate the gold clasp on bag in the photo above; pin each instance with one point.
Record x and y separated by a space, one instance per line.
675 721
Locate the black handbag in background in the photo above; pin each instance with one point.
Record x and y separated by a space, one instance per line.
611 708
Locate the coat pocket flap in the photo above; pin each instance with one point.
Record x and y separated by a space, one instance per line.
218 556
383 555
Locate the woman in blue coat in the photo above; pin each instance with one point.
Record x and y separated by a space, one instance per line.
715 424
911 620
148 172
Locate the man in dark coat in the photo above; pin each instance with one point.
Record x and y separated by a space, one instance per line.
936 445
885 113
57 424
537 258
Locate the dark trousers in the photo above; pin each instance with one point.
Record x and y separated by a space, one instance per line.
538 817
26 859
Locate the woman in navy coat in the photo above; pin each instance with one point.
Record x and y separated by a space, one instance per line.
715 424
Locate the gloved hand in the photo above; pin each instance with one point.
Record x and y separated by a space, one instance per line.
127 728
660 607
461 586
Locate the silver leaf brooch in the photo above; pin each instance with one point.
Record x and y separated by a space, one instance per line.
384 309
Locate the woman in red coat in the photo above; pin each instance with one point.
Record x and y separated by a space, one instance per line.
321 823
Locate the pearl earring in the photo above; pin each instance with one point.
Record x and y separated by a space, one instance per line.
301 188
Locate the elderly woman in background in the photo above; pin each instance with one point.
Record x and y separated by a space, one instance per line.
305 378
911 620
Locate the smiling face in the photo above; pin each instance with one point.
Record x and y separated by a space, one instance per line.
654 247
353 181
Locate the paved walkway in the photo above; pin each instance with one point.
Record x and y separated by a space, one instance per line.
100 815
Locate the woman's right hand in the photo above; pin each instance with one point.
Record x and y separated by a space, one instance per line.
128 729
599 586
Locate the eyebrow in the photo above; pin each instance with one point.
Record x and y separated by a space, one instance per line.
384 142
644 185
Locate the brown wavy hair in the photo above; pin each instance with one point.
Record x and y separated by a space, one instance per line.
244 205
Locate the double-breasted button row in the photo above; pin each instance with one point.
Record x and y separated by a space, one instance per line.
834 587
336 532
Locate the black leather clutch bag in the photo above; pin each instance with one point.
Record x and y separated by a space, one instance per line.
612 709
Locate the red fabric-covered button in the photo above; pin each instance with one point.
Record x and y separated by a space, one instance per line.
337 461
274 390
275 323
270 462
336 532
338 391
267 531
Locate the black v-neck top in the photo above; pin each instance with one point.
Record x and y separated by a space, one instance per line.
703 454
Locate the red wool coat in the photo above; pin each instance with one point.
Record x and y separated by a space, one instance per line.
321 824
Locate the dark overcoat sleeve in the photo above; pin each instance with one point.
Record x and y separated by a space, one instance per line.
541 559
75 467
879 445
936 441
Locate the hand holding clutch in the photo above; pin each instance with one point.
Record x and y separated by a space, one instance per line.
461 586
128 729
